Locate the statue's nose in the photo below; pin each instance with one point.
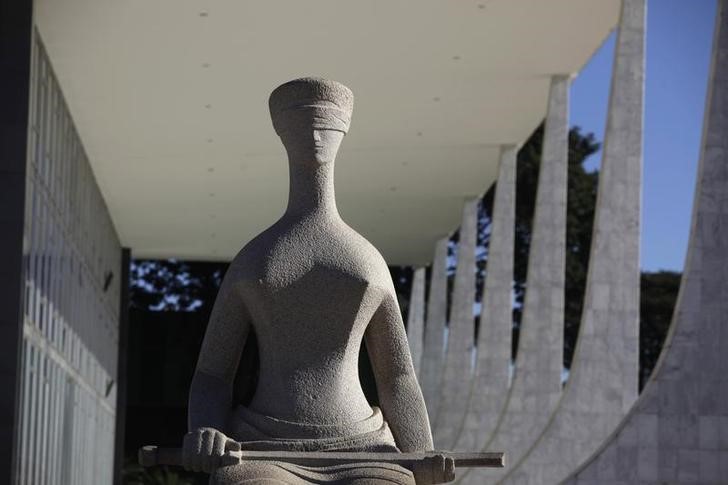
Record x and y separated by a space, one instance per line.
316 135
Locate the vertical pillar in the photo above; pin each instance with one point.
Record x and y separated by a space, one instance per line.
492 372
603 382
457 373
432 356
121 368
677 431
15 49
536 387
416 318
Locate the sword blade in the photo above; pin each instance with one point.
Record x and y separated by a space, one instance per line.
153 455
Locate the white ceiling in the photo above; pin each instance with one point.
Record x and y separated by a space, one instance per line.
170 100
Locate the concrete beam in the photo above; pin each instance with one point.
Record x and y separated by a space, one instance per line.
433 354
416 318
457 373
602 385
678 430
121 369
536 387
492 371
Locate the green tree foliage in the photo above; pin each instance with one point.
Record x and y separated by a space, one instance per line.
135 474
657 302
173 285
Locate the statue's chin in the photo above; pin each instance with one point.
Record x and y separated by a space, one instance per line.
312 158
324 160
322 155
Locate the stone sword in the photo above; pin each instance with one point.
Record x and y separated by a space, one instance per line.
439 465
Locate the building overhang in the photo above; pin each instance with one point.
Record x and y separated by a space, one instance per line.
170 100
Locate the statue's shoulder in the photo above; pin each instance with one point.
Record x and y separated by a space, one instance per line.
249 261
366 252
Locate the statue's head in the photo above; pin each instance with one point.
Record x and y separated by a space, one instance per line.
311 116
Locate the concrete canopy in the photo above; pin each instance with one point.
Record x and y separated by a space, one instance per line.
170 99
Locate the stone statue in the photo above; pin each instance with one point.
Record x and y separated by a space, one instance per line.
312 289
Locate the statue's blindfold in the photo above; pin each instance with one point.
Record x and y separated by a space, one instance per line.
320 116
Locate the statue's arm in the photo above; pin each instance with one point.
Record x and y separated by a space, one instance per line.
211 392
400 397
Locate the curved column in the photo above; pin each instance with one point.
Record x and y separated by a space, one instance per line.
678 430
433 353
492 372
602 386
457 373
416 318
536 386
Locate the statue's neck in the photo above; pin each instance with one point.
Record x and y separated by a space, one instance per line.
311 190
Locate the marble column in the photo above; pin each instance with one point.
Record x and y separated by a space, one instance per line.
536 387
602 385
416 318
433 353
492 371
678 430
457 373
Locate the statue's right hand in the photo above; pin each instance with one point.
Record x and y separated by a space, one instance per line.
203 448
436 469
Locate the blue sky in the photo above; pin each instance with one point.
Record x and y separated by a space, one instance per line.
679 38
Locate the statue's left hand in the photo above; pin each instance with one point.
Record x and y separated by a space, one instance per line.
203 448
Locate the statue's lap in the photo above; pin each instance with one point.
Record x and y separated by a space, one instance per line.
269 472
262 433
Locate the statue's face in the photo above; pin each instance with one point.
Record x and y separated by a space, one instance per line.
307 138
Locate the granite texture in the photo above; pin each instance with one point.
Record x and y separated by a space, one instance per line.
536 385
457 373
492 368
312 290
602 385
416 318
433 355
678 430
